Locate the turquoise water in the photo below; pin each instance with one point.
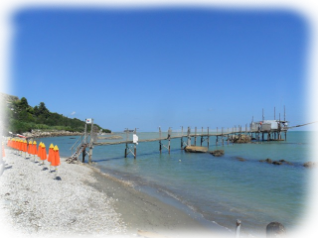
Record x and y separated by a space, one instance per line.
218 189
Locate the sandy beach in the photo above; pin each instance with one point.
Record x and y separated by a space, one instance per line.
78 199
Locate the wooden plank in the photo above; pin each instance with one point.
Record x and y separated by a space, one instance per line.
149 234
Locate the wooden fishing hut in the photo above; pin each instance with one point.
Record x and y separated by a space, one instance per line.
271 128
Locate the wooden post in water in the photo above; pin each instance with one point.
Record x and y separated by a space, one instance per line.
217 138
135 147
84 143
127 136
189 137
169 138
222 137
275 229
91 143
181 137
228 136
160 145
285 121
85 134
202 136
208 138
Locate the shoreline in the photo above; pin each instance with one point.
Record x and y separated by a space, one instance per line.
42 134
146 212
83 200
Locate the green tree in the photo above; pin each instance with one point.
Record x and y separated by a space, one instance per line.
43 110
23 104
36 111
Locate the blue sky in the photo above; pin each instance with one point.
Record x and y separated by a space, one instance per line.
167 67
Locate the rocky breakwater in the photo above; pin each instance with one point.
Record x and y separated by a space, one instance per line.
37 134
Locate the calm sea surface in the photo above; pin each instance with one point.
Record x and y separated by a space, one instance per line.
215 189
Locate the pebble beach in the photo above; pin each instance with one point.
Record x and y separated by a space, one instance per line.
38 200
76 199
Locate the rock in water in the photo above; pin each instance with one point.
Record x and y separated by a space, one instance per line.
196 149
240 138
217 153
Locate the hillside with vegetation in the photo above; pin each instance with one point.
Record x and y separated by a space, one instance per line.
21 117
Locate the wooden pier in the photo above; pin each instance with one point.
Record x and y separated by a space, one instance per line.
186 140
265 130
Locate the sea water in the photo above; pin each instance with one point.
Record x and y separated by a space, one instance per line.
215 189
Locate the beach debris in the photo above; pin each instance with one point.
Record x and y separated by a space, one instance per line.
196 149
241 138
309 164
148 234
217 153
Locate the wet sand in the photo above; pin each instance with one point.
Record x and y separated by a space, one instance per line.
141 211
